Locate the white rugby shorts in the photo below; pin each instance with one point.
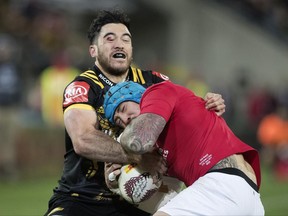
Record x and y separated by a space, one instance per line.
214 194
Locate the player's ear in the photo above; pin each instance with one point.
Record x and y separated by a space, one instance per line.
93 50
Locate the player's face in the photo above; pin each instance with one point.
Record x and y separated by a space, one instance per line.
114 49
125 112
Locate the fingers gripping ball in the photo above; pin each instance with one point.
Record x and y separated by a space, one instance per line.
137 185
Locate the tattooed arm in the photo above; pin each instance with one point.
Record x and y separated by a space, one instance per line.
142 133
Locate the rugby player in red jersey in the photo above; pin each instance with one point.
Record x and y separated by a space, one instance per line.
221 172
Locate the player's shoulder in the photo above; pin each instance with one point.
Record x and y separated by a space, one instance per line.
167 84
90 78
160 88
136 68
149 73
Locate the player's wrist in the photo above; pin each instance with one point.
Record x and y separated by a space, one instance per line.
134 158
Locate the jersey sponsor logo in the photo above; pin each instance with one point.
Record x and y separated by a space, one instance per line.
205 160
76 92
163 152
162 76
107 81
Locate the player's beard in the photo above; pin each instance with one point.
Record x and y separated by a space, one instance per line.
109 68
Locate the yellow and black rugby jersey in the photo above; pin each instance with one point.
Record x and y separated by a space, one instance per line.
83 177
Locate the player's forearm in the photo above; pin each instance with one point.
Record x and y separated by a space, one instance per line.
142 133
100 147
88 141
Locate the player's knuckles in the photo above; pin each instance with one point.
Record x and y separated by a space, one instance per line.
107 165
116 166
117 172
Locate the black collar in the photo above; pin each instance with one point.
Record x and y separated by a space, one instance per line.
105 79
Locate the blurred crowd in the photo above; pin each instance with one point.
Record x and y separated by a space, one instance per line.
34 37
37 60
271 15
266 111
40 52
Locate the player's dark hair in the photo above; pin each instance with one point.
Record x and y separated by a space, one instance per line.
105 17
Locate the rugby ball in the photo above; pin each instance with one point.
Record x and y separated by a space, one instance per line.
169 189
137 185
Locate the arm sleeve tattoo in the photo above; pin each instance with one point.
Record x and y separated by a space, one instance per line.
142 133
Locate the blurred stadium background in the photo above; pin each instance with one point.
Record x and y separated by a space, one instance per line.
238 48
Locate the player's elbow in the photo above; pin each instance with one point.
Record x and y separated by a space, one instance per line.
79 146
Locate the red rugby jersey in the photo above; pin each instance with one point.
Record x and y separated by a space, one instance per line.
194 139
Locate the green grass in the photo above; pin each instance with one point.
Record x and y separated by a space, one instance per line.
274 194
30 197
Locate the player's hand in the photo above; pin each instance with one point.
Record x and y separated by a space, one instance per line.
153 162
215 102
112 172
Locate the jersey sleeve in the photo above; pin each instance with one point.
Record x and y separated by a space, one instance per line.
159 77
146 77
78 94
159 99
